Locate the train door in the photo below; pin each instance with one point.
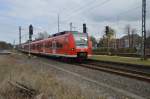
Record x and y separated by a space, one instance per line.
44 47
54 47
66 46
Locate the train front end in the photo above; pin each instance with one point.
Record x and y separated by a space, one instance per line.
83 45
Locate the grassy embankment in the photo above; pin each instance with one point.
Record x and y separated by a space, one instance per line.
13 68
130 60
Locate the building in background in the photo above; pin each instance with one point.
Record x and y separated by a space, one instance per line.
123 42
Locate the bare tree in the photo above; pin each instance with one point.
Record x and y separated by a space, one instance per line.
148 33
148 39
94 42
4 45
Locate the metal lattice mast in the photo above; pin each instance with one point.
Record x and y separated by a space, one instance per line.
143 28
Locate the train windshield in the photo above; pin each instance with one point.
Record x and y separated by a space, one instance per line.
81 39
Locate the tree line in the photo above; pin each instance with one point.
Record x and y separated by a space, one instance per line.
4 45
129 32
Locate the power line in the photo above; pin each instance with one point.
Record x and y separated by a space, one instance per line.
117 18
78 10
81 7
127 11
89 7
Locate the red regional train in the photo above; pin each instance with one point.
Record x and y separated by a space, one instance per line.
70 44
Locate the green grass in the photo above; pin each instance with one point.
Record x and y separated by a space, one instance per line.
120 59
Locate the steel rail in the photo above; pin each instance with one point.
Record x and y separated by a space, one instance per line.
119 71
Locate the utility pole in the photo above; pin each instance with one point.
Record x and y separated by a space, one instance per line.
58 22
143 29
14 46
129 36
19 36
71 26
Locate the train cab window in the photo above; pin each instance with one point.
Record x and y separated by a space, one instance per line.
81 39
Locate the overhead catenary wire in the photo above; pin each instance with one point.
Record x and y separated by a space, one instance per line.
125 12
89 7
78 10
116 15
94 7
81 7
86 8
119 13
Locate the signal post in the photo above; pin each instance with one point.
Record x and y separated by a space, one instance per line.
30 39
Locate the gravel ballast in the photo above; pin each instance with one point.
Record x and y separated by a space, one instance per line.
124 87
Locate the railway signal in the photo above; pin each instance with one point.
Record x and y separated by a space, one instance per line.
30 31
84 28
30 38
107 30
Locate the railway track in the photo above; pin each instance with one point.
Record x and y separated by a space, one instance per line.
128 70
138 72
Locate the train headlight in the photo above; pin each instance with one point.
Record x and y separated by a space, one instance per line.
72 49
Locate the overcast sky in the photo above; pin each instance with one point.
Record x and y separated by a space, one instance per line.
42 14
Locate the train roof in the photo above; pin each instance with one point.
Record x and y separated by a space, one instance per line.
64 32
54 35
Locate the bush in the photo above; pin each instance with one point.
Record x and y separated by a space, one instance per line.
114 51
126 50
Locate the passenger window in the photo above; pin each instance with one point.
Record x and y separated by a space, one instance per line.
54 45
50 45
59 45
